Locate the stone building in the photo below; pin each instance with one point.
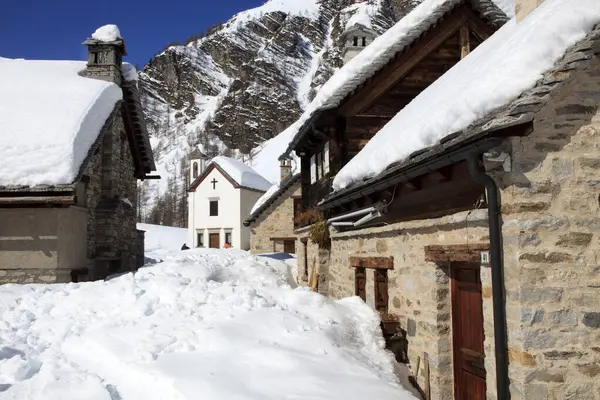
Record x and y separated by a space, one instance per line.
68 189
356 38
482 243
273 220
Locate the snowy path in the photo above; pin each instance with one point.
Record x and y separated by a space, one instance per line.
204 324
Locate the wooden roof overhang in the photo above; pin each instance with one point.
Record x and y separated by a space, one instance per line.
137 135
368 100
430 183
441 160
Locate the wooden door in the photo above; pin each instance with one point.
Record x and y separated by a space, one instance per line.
214 240
360 283
467 332
289 246
381 290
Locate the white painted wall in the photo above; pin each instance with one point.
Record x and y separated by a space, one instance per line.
234 206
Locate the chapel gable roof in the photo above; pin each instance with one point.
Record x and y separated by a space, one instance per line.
240 175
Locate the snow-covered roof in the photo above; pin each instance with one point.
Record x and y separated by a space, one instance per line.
382 50
50 116
265 161
496 73
264 198
107 33
240 173
361 14
129 72
270 197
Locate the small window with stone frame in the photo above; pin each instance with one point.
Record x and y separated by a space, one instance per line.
355 41
200 236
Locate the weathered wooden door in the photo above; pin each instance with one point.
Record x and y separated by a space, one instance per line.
381 290
214 240
360 283
289 246
467 332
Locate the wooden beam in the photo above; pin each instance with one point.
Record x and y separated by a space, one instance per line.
405 63
372 262
457 252
66 200
479 28
465 45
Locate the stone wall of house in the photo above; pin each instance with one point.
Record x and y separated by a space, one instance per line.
113 240
277 221
419 291
551 233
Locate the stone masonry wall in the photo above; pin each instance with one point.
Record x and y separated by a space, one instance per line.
112 201
419 291
275 221
551 233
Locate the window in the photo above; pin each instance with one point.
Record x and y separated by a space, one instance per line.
381 290
214 208
319 166
195 170
325 159
360 283
355 40
313 169
364 41
200 242
228 237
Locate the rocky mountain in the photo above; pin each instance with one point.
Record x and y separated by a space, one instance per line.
242 84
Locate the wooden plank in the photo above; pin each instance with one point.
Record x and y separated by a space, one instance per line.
426 385
457 252
405 63
372 262
65 200
465 46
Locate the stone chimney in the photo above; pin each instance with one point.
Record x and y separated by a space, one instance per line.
106 49
524 7
285 166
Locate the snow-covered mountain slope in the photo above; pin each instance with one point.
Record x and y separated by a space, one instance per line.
244 83
203 324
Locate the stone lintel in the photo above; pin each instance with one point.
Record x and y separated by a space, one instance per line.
372 262
457 252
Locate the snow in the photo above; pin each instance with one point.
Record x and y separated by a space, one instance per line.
495 73
303 8
107 33
160 241
264 198
241 173
49 118
375 56
129 72
361 15
266 160
204 324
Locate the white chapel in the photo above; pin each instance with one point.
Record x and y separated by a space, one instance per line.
221 195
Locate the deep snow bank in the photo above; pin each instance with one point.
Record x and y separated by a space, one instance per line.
204 324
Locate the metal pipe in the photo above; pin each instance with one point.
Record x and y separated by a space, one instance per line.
500 336
344 223
352 214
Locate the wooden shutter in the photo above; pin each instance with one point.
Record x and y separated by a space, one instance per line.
326 158
381 290
313 169
289 246
360 282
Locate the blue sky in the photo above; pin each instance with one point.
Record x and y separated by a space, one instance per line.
54 29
